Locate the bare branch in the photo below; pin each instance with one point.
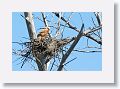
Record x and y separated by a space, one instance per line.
44 19
70 26
96 40
92 30
52 64
74 28
30 25
70 49
87 51
98 18
70 61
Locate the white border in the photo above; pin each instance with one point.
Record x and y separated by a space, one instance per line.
104 76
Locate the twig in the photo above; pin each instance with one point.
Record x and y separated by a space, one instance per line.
70 26
52 64
85 51
44 19
98 41
70 61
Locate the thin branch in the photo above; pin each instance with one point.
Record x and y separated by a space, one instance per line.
44 19
86 51
96 40
70 61
93 22
92 30
59 20
98 18
52 64
70 25
67 21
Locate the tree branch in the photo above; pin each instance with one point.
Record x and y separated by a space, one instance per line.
30 25
64 58
70 25
84 33
32 33
44 20
96 40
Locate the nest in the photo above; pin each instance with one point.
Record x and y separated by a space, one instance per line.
48 48
43 51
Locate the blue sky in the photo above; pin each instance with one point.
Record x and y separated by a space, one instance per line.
84 61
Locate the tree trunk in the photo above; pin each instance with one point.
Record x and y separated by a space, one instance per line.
33 35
